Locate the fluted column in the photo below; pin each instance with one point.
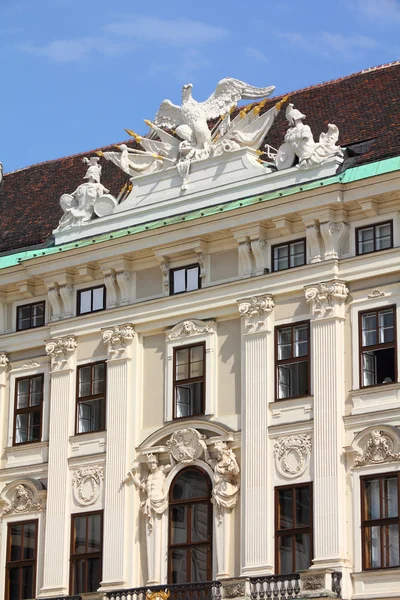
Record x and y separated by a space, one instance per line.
56 556
3 401
256 339
328 355
118 340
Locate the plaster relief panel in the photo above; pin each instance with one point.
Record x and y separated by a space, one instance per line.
87 483
292 455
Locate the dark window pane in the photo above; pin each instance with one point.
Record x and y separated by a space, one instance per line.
366 240
300 341
16 542
303 554
27 585
14 582
297 254
372 503
303 507
23 393
94 533
190 484
284 343
182 364
84 381
179 281
179 572
36 384
373 547
386 326
293 380
281 258
285 554
369 329
390 534
199 563
378 366
383 236
178 524
199 531
98 379
192 278
93 574
285 508
390 502
196 361
189 399
90 415
38 315
29 541
79 546
78 576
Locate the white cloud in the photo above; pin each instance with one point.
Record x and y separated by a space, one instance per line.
384 11
254 54
79 49
331 45
177 32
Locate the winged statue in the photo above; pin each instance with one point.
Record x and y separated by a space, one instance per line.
189 121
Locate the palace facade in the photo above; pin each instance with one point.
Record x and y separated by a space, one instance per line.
199 366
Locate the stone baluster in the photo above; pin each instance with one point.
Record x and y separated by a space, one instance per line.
63 363
256 347
118 340
327 347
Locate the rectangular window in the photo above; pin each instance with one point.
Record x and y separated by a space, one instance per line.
380 525
287 256
91 300
189 381
374 238
21 560
292 343
185 279
91 398
30 315
28 410
86 552
293 528
377 333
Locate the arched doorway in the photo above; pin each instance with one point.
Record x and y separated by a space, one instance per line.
190 527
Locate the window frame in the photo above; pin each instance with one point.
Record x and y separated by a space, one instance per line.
29 409
288 244
89 312
293 359
30 305
21 563
189 380
79 399
86 555
381 522
374 225
190 501
278 533
362 349
183 268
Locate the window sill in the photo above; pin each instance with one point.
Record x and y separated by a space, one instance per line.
377 583
27 454
93 442
26 446
372 389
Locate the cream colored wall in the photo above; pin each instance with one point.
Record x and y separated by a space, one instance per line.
91 348
153 381
223 265
228 370
148 282
290 308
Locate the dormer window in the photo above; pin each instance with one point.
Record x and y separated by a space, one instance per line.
91 300
185 279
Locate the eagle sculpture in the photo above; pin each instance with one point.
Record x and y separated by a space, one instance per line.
189 121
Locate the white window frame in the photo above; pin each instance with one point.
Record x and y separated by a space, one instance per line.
200 332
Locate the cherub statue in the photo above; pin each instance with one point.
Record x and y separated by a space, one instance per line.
78 206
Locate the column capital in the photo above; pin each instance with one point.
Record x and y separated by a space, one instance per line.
255 311
60 350
117 339
4 360
327 298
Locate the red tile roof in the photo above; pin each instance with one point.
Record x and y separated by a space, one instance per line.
364 106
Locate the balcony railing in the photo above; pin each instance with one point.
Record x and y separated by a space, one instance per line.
205 590
275 586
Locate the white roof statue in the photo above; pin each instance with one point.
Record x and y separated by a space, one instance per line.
181 135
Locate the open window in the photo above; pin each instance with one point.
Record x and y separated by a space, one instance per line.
378 346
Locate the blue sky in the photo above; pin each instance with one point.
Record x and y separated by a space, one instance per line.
74 73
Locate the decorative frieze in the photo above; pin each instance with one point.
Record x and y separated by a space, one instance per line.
292 455
378 449
118 338
60 349
24 497
190 328
327 296
255 311
86 482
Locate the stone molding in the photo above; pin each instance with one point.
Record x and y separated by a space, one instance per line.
22 496
292 455
377 293
326 298
255 311
117 339
61 349
191 328
84 478
379 448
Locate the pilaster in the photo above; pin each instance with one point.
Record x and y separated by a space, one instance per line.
256 342
63 362
118 340
327 300
4 362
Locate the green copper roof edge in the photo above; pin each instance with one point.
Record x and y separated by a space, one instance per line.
352 174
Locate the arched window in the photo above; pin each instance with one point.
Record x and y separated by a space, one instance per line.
190 528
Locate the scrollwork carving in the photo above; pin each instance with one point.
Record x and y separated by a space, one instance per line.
4 360
118 338
292 454
60 349
378 449
86 483
186 445
190 328
22 501
326 296
255 311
